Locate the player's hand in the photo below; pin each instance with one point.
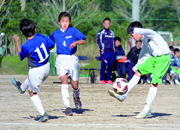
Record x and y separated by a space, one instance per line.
16 38
176 67
102 51
114 50
73 45
124 57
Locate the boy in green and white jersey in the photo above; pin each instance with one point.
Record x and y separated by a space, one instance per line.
154 58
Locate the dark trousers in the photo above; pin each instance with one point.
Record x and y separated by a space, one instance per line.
107 59
165 76
130 65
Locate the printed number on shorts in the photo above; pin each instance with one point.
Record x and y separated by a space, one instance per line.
40 54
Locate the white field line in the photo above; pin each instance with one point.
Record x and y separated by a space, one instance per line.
152 126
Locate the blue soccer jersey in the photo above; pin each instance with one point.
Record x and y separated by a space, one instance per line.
37 50
64 40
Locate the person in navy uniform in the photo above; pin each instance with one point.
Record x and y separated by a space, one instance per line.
106 43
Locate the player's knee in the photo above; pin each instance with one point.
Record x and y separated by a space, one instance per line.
137 73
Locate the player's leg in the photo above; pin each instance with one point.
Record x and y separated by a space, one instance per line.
111 58
65 94
146 112
38 105
143 69
76 93
21 87
103 68
160 67
35 77
132 83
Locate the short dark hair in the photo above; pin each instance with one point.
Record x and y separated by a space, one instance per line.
135 24
117 38
107 19
27 27
171 48
176 50
65 14
139 41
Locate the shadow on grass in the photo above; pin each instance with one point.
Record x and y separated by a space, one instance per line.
153 115
74 110
36 118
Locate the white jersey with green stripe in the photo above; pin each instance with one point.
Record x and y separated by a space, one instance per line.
152 45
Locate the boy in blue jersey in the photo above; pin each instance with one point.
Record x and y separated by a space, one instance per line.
67 38
36 49
105 41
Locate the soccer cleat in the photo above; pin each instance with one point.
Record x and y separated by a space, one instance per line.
121 98
143 114
68 112
103 82
18 85
44 118
110 82
77 103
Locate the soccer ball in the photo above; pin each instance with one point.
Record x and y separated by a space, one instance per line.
120 86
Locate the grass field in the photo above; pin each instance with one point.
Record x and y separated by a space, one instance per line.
99 110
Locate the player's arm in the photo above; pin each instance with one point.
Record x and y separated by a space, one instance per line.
16 40
80 42
79 38
143 31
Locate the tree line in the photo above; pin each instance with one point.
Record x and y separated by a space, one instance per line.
88 15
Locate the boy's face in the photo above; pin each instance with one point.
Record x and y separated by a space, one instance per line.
136 37
117 43
172 52
138 45
179 54
106 24
64 22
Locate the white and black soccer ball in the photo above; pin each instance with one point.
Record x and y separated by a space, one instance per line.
120 86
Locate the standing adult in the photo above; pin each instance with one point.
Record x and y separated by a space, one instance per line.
105 41
4 43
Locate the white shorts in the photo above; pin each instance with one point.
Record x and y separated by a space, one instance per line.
36 76
67 64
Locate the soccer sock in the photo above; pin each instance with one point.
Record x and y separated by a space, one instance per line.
37 103
24 85
65 94
132 83
150 97
76 92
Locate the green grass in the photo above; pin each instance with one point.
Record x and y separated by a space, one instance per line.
13 65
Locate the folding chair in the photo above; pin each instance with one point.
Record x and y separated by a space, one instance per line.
98 59
84 60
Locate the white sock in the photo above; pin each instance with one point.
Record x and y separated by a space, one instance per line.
65 94
24 85
132 83
76 92
37 103
150 97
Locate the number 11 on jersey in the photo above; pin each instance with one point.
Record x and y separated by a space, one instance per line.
39 53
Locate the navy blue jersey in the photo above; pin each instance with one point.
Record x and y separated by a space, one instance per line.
64 40
105 40
36 50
